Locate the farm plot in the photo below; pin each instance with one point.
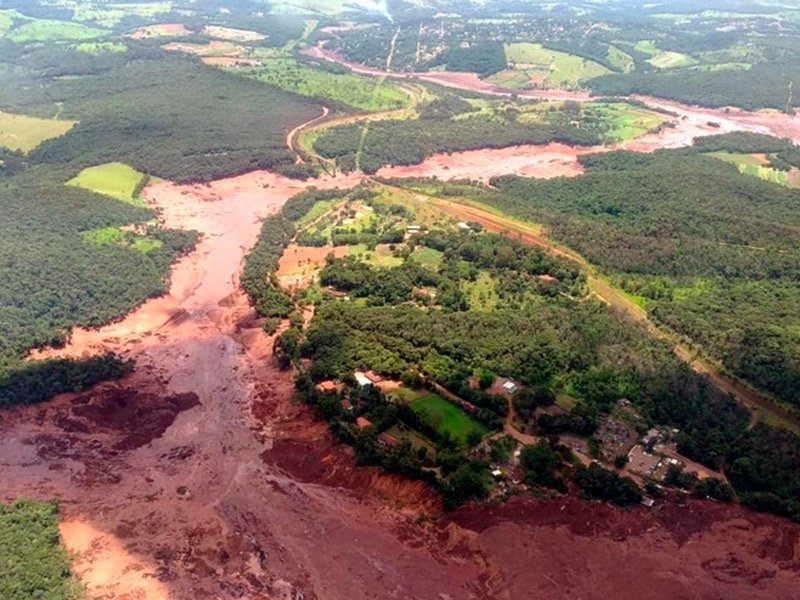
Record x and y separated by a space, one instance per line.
532 65
233 35
46 30
24 133
160 30
116 180
626 121
756 165
447 418
363 93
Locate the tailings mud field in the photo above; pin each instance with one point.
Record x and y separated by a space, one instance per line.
198 477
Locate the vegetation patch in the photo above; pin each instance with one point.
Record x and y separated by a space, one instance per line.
116 180
46 30
550 68
24 133
363 93
447 418
33 562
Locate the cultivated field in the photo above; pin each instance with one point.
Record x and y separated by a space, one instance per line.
447 418
532 65
24 133
116 180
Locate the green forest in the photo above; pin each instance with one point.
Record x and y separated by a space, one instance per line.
543 337
32 561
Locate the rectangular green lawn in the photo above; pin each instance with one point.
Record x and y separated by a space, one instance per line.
115 179
446 417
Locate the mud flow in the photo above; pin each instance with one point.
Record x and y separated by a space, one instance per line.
198 477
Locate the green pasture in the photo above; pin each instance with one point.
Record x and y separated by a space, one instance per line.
116 180
481 293
756 166
446 417
362 93
533 60
110 14
626 121
114 236
427 257
24 133
47 30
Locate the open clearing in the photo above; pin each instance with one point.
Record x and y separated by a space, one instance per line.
446 417
363 93
115 179
532 65
627 121
160 30
212 48
233 35
756 165
46 30
24 133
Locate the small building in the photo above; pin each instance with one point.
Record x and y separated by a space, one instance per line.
497 473
327 386
413 229
362 379
464 226
373 376
511 387
388 440
346 404
363 422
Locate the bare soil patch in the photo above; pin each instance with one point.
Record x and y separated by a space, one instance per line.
160 30
299 265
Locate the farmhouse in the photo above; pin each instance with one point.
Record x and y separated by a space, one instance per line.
373 376
387 439
326 386
362 379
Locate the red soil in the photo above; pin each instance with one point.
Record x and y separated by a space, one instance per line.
299 265
162 29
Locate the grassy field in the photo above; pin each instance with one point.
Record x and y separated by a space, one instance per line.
446 417
109 15
663 59
380 257
363 93
33 563
100 47
46 30
111 179
24 133
481 293
756 166
620 59
627 121
534 64
404 433
427 257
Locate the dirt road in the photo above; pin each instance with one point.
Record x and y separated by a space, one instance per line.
758 403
